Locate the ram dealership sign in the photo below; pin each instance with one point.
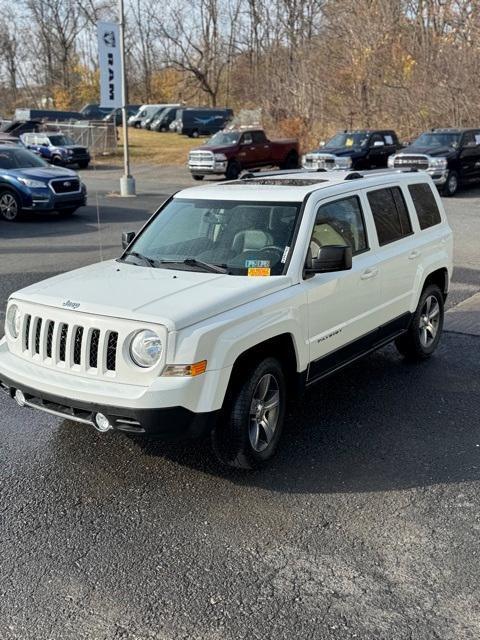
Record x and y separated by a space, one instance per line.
110 67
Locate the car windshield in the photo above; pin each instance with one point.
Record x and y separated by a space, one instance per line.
348 140
223 138
235 236
434 139
61 141
19 159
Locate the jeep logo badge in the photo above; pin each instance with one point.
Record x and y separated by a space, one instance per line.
70 305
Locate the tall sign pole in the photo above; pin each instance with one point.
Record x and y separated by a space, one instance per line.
127 182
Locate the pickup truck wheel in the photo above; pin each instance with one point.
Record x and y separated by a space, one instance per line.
198 177
233 170
425 330
83 164
291 161
194 134
57 161
249 432
10 206
451 185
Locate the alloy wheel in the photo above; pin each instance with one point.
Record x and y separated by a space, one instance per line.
429 321
264 412
8 206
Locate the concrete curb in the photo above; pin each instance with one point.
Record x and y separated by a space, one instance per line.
465 317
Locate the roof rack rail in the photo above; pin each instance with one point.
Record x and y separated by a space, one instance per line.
354 176
268 174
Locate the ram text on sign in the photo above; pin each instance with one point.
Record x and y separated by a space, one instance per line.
110 66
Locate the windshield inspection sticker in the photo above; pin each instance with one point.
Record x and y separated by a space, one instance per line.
258 271
257 263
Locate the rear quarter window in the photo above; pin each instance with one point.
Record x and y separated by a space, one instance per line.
425 205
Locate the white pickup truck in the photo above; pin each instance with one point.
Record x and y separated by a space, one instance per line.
231 298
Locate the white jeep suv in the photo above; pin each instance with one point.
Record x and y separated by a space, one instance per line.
230 298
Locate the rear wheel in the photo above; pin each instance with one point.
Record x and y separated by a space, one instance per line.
194 134
291 161
451 185
233 170
248 434
10 207
425 330
56 160
83 164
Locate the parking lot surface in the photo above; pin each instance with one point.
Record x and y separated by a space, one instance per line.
366 525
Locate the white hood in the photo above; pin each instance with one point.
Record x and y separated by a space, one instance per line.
173 298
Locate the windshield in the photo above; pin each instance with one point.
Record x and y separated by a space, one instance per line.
19 159
348 140
239 236
223 138
433 139
61 141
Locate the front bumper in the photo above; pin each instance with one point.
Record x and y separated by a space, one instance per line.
170 407
46 200
439 176
217 168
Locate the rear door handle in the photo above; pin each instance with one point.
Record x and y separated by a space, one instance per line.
369 273
414 254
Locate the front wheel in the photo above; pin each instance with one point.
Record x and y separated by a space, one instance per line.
198 177
83 164
451 185
248 434
65 213
423 336
291 161
10 207
233 171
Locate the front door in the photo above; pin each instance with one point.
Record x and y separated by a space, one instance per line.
342 306
470 156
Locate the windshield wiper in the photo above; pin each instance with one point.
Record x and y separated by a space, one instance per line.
140 256
193 262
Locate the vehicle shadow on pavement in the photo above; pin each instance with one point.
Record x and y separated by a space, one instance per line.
379 425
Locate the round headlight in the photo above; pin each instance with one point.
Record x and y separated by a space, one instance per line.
146 348
13 320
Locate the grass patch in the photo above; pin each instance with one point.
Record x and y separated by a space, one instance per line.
152 147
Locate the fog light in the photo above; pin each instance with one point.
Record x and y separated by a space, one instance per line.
20 398
102 423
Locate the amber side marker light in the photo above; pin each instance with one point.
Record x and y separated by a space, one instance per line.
185 370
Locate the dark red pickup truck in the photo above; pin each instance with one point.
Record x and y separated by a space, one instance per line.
229 152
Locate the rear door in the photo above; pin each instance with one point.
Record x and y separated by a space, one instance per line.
262 148
399 254
470 156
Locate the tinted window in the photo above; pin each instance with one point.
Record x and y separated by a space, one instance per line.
247 138
390 214
425 205
470 139
258 137
340 222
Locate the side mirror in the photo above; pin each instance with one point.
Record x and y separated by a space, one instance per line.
379 143
330 258
127 238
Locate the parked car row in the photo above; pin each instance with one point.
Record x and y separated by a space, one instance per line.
450 156
190 121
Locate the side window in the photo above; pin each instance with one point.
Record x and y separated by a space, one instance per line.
258 137
471 139
340 222
425 205
390 214
247 138
376 137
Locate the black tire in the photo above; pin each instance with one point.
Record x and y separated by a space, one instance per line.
84 164
57 161
136 125
419 342
233 170
238 440
194 134
198 177
10 206
450 187
162 129
291 161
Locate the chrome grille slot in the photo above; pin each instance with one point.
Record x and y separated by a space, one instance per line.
49 338
77 345
112 351
94 342
63 342
28 320
38 329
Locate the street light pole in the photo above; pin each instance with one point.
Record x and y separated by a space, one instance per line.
127 182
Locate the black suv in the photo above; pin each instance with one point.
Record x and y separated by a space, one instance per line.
359 149
450 156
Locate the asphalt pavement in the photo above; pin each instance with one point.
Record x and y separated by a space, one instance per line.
366 525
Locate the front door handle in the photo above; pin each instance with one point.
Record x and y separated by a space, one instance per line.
369 273
414 254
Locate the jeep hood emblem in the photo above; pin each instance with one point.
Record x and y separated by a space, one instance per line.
70 305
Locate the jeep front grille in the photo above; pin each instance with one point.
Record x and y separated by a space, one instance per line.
70 345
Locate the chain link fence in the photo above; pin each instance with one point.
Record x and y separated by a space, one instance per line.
99 137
